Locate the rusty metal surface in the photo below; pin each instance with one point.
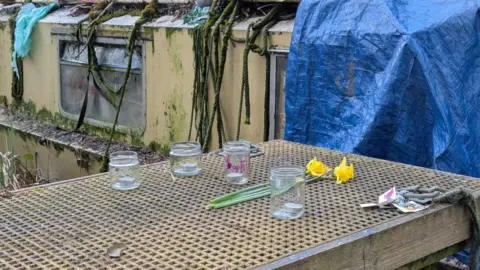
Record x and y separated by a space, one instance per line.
165 226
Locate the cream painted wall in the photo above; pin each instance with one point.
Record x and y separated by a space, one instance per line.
5 59
40 69
51 164
169 81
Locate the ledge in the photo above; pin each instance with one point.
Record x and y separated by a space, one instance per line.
75 141
62 17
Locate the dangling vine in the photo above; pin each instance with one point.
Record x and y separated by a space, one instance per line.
262 26
219 66
206 43
96 17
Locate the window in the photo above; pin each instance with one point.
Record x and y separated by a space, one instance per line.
101 107
277 95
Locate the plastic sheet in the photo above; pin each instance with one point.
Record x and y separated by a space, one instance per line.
26 19
196 16
396 80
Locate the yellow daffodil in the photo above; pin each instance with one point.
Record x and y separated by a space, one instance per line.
317 168
344 173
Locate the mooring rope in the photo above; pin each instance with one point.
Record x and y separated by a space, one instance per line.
465 198
98 15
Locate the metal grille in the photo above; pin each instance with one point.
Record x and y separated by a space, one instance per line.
165 225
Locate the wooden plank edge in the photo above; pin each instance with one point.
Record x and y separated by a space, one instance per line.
435 257
389 245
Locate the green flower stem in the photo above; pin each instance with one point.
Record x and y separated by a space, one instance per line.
251 193
239 192
238 200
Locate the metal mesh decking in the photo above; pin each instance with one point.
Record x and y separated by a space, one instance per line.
165 225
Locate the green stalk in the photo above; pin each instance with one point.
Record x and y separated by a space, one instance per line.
230 197
250 193
238 200
240 191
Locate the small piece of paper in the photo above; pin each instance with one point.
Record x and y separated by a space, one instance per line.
388 197
409 207
368 205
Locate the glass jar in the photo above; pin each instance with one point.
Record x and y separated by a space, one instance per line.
287 200
124 170
237 162
186 158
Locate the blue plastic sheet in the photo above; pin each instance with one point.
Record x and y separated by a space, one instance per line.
397 80
196 16
26 19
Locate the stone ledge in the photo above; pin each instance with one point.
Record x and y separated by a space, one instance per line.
79 142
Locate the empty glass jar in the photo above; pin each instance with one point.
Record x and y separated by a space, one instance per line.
124 170
237 162
186 158
287 185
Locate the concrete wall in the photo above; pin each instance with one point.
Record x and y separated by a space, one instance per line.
5 58
53 163
169 76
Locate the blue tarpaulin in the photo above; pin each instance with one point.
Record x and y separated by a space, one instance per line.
397 80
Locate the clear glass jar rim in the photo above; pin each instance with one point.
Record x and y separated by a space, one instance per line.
237 144
123 153
192 144
186 147
287 170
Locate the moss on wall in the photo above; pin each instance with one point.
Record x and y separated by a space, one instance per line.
29 110
172 50
170 31
175 116
159 147
3 101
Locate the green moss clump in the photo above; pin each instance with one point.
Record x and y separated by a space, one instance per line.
29 110
163 149
170 31
3 101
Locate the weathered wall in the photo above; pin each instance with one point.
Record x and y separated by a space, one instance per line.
53 162
41 71
169 80
5 58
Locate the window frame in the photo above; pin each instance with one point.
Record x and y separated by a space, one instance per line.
63 36
274 54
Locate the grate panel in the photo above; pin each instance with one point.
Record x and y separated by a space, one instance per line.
165 226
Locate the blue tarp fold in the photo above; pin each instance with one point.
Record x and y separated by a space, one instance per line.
397 80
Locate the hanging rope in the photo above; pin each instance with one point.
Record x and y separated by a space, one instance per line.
464 197
262 26
231 9
98 15
197 65
206 46
210 47
148 14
